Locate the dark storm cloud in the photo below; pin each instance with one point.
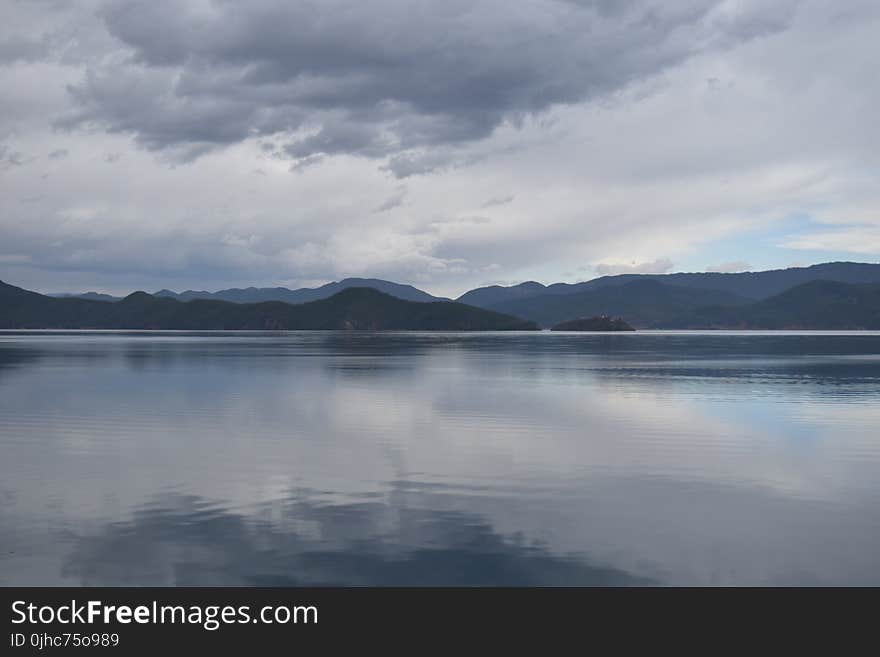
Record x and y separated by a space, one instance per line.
378 78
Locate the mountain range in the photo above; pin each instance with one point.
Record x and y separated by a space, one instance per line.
356 308
693 300
836 295
649 304
261 294
749 285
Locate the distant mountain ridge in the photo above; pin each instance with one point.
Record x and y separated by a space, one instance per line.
829 295
305 294
350 309
286 295
750 285
649 304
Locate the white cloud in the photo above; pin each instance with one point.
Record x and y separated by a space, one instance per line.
659 266
862 240
729 267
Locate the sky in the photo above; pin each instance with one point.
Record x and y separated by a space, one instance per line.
206 144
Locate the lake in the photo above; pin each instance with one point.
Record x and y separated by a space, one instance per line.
342 458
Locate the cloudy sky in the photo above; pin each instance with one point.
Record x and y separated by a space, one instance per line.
215 143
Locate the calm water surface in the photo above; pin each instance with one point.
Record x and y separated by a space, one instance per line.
331 458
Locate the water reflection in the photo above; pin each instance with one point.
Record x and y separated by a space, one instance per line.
180 540
331 458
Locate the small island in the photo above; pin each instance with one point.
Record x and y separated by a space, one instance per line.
601 323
